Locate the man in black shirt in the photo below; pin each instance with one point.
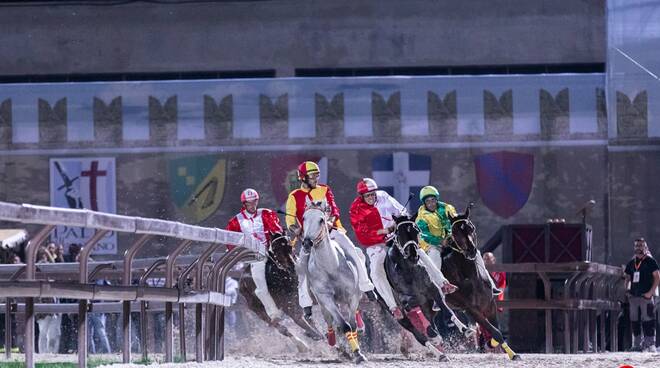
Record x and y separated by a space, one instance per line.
643 278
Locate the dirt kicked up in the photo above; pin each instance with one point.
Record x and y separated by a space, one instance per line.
605 360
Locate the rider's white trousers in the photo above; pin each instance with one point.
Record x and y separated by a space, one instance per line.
433 264
436 257
258 270
377 254
350 250
304 298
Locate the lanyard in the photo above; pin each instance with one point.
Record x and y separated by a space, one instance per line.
637 265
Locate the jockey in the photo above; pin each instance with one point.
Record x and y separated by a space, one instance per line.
433 221
372 220
258 223
310 190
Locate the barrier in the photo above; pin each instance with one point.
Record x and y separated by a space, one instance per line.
27 281
590 290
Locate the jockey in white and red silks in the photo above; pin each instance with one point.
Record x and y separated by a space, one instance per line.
258 223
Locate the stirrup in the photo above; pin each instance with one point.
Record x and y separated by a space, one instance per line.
496 291
436 306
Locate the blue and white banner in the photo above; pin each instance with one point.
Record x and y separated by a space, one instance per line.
89 183
402 173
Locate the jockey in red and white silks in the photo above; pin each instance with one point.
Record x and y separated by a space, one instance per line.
258 223
371 217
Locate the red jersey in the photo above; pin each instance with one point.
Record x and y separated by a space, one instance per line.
258 225
367 219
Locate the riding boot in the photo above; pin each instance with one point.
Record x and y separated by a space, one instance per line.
481 268
258 270
358 257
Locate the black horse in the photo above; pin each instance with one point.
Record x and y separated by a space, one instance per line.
474 294
413 290
283 286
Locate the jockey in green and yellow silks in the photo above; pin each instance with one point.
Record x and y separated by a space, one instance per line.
435 225
434 222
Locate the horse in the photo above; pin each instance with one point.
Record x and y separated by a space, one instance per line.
413 289
283 286
474 294
332 277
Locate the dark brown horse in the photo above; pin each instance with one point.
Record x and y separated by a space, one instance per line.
283 286
413 290
474 294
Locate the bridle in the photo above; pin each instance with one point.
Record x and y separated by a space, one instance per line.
453 244
271 255
403 246
323 231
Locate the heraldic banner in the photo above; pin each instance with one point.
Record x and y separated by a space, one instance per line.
88 183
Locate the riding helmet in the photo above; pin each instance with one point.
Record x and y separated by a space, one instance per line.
307 168
248 195
428 190
366 185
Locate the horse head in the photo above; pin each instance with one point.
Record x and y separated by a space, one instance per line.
406 237
315 227
464 234
280 251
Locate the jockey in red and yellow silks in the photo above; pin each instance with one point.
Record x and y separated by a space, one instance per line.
311 191
298 199
258 223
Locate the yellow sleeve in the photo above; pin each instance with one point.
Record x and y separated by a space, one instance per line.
290 210
424 245
451 211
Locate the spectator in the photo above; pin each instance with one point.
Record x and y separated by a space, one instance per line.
498 277
58 253
642 279
49 324
483 336
72 256
97 330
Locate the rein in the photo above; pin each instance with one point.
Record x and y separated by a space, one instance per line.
271 255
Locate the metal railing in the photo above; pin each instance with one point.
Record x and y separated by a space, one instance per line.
31 281
590 294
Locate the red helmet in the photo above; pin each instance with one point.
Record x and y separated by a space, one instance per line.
366 185
307 168
248 195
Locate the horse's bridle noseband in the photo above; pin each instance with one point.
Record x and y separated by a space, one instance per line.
453 243
409 242
271 255
322 234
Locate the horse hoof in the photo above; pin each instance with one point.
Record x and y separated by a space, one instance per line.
314 336
359 357
516 357
443 358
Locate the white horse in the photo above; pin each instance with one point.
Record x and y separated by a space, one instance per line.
332 277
